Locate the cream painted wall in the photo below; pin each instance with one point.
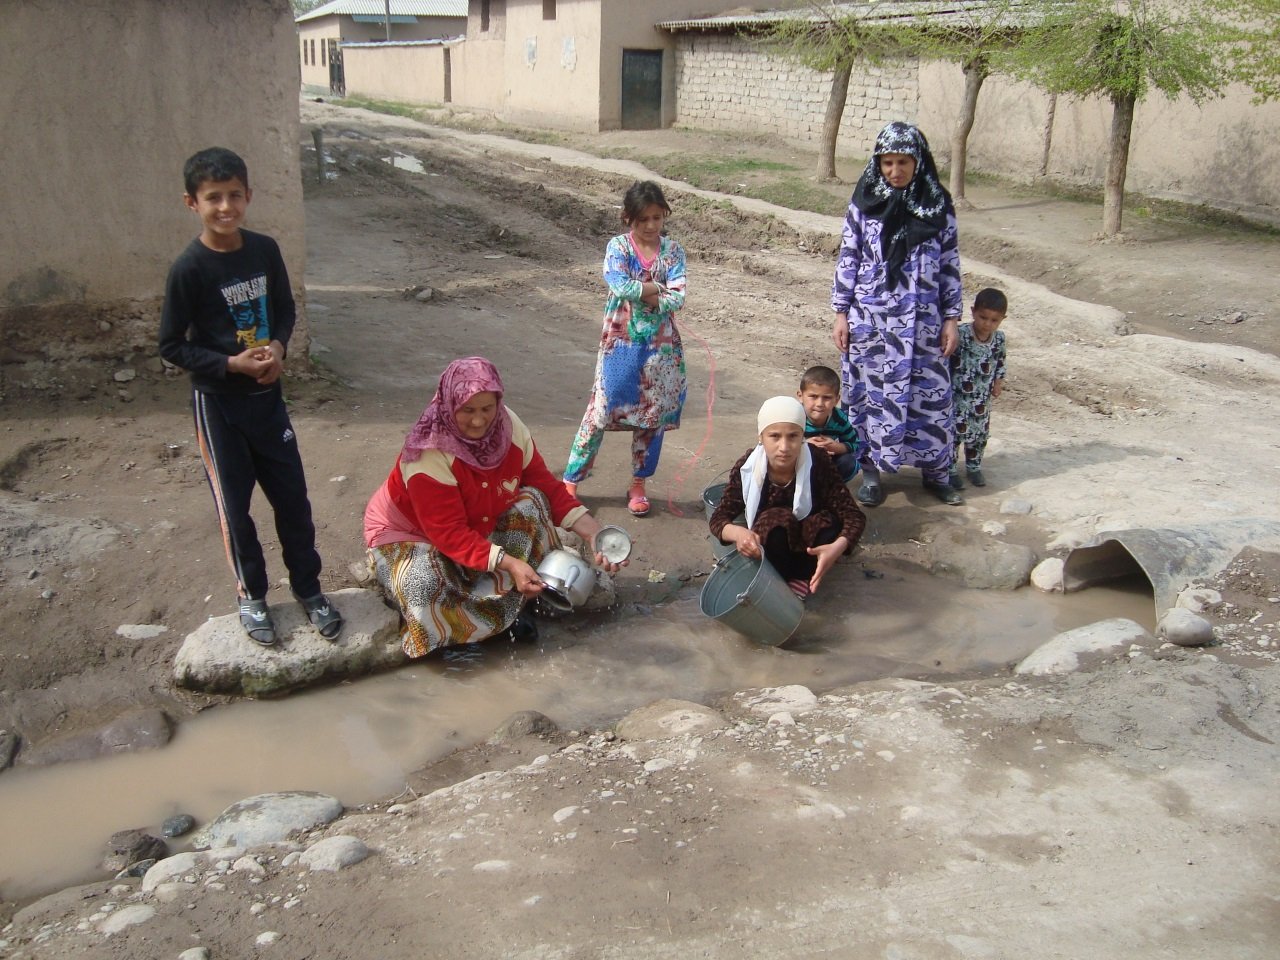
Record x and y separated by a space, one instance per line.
93 157
316 74
412 73
630 26
479 75
552 67
1225 154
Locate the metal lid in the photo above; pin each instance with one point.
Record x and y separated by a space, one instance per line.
613 543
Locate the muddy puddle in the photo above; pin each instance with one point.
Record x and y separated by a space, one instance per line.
360 741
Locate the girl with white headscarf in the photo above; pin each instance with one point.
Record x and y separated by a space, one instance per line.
786 505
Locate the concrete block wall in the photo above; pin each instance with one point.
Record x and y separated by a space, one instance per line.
726 82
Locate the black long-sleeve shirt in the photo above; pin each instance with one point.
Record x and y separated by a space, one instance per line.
219 304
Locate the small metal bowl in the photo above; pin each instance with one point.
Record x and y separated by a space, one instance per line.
613 543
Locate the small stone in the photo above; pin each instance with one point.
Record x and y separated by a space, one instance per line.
1017 506
656 765
104 326
266 938
424 295
195 953
125 375
334 853
141 631
526 723
1186 629
32 574
125 918
46 594
1047 575
563 814
994 528
177 825
247 864
8 748
138 869
1198 599
130 847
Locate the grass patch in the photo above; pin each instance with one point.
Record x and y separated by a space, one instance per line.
392 107
797 193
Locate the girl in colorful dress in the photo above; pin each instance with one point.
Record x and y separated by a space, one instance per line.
468 512
897 304
787 504
977 377
640 376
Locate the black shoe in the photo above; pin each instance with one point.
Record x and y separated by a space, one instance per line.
324 616
957 481
976 477
524 630
944 492
870 494
255 618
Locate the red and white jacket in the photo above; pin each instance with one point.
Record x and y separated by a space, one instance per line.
441 500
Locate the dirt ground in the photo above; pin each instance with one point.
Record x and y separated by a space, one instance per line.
1134 403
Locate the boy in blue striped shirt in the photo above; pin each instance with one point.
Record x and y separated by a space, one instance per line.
826 426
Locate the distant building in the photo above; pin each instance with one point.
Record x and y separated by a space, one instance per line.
320 31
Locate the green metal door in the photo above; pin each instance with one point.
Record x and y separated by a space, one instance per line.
641 89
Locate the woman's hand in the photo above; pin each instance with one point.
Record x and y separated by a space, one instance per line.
950 335
744 539
651 294
587 527
526 578
840 332
827 555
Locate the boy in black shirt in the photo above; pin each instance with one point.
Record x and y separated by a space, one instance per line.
227 317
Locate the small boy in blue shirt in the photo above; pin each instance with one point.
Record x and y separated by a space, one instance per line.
826 427
227 317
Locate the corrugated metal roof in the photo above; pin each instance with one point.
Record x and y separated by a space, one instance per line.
377 8
872 11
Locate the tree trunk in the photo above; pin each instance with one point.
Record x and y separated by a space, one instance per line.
1117 163
831 120
1047 139
975 72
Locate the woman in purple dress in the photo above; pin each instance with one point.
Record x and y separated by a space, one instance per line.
897 303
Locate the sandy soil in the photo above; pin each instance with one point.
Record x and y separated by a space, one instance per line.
1005 818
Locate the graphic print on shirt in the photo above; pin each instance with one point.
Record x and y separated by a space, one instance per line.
247 303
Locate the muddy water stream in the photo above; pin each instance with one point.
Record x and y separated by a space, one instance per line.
359 741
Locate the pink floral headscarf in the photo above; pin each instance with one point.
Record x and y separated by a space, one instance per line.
437 428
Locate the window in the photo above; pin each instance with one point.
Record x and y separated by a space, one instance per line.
484 16
304 53
313 53
548 9
323 61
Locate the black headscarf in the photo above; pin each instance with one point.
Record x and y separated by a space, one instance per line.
911 215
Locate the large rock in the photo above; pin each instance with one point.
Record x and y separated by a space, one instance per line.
969 555
526 723
219 658
1062 654
665 719
140 730
267 818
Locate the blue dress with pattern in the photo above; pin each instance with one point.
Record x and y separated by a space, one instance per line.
896 384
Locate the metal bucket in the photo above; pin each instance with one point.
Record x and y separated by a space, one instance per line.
748 596
712 496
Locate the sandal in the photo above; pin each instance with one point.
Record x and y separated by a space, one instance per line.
638 504
255 620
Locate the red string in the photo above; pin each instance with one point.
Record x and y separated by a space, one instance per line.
682 474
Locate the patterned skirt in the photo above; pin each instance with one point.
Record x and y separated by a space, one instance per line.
443 604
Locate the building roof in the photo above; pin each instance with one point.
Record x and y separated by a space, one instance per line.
871 11
376 9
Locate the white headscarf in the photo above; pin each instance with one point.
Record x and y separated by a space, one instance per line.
756 468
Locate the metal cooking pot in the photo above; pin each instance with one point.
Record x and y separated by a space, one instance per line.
567 579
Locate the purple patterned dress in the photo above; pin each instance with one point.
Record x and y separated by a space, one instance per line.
896 382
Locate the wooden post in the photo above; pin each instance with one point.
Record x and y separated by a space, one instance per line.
318 136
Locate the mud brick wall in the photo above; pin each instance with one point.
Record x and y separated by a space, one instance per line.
726 82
